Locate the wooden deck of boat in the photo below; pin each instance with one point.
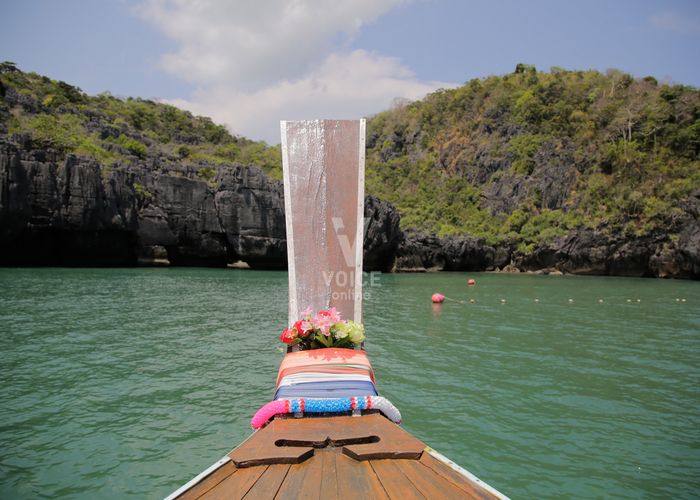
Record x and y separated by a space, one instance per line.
335 457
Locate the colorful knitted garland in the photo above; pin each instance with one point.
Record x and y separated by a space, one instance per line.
336 405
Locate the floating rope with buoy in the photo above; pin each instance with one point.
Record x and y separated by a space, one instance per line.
439 298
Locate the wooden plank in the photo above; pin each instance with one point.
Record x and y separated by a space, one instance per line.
269 483
209 482
470 488
357 479
392 442
261 448
428 482
329 474
394 481
293 440
236 485
302 481
323 164
406 449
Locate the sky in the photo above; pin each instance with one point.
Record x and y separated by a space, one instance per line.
250 63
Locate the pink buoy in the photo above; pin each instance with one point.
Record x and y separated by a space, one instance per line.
471 282
438 298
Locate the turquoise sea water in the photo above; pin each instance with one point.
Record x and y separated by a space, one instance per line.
122 383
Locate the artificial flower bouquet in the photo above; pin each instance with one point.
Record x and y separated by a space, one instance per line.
324 329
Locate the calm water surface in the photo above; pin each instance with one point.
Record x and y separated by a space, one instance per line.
122 383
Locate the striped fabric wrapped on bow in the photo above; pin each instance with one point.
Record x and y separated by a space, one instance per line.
334 380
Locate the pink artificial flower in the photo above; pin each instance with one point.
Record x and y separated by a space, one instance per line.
323 322
307 313
334 315
303 327
288 336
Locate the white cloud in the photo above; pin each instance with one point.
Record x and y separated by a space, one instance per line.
251 42
676 22
255 62
349 85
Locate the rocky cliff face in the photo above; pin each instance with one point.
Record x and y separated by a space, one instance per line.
62 215
418 252
583 251
382 235
594 252
545 163
71 212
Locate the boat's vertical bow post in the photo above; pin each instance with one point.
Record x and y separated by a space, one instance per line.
323 163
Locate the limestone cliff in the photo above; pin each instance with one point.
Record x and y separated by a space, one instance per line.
68 212
574 172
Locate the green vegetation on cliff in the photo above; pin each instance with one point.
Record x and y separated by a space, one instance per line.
518 159
56 115
530 156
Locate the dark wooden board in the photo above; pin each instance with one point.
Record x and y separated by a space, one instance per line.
294 440
357 479
331 474
394 481
236 486
302 481
329 480
209 482
470 488
269 483
428 482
